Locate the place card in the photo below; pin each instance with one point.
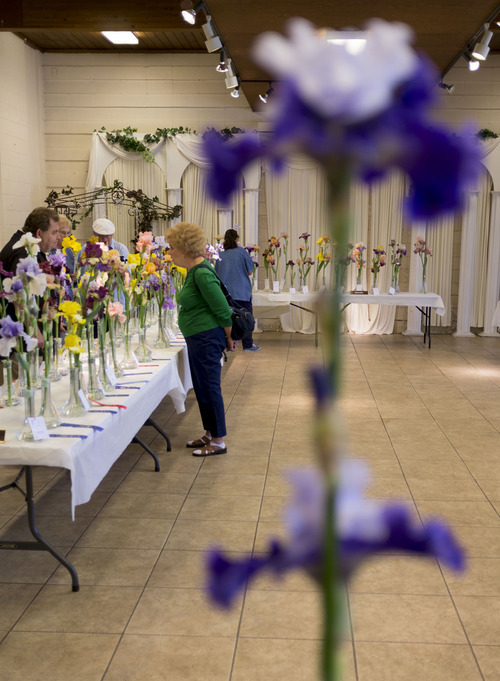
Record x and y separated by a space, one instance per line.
276 287
392 291
292 290
110 373
38 427
171 334
83 399
305 288
375 292
134 357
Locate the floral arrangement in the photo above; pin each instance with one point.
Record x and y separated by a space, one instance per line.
378 261
342 260
324 256
398 251
357 256
423 251
362 127
304 261
253 251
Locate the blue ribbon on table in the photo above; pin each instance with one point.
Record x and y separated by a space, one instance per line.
102 411
129 383
81 437
125 387
139 373
161 359
122 395
80 425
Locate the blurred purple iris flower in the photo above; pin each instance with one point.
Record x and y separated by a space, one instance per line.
10 331
365 527
337 123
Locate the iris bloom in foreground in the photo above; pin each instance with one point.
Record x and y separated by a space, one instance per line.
364 527
368 113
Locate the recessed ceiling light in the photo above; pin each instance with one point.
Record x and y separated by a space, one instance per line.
121 37
353 41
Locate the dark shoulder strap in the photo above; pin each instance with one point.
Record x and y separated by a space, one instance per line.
222 285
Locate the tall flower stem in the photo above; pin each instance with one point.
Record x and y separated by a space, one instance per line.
327 423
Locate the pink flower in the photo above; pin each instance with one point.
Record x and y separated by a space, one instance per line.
115 308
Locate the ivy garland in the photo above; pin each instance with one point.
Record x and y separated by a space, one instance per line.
126 140
485 134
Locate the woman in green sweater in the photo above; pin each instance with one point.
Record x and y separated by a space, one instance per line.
205 323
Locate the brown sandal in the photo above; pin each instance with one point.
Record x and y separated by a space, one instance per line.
209 450
201 442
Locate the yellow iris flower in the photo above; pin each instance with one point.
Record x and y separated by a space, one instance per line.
73 343
72 243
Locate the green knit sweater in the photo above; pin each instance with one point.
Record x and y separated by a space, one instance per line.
205 307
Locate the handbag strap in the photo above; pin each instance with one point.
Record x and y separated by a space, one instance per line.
221 283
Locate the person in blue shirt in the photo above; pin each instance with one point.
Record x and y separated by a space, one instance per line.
235 268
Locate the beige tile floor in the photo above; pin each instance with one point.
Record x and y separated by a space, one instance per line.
427 422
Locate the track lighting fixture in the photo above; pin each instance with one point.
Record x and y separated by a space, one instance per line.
474 64
444 86
189 12
235 92
231 79
222 66
212 42
482 48
265 97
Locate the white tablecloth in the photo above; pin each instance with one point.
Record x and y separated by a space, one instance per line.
90 459
432 300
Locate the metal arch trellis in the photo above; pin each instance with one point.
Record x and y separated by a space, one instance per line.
143 209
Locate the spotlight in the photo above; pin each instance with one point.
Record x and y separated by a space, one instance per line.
222 66
264 98
231 79
212 42
482 48
473 63
449 88
235 92
188 12
121 37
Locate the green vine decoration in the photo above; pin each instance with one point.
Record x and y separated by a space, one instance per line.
226 133
126 140
138 204
485 134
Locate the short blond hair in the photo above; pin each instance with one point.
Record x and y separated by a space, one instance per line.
64 221
189 239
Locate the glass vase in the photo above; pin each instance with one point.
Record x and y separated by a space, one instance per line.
63 355
374 285
143 352
73 405
128 361
34 364
29 412
172 322
423 286
48 410
395 281
162 339
94 390
9 390
112 344
54 373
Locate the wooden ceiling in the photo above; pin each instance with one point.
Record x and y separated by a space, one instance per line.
442 29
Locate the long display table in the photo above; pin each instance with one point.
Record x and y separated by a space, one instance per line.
89 445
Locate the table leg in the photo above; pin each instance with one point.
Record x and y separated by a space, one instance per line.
40 544
149 451
315 313
426 313
150 422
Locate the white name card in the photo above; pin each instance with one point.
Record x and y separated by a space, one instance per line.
110 373
276 287
38 428
292 290
375 292
83 400
305 288
392 291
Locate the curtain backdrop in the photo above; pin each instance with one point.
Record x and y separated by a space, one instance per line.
481 250
146 176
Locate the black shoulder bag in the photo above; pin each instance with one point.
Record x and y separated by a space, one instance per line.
243 321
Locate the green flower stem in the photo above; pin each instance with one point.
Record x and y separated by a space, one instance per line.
327 427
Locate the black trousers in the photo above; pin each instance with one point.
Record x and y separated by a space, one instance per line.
205 354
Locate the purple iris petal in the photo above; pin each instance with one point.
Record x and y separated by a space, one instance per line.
3 272
9 328
17 285
29 267
92 250
57 259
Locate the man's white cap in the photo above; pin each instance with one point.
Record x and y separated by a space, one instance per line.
103 227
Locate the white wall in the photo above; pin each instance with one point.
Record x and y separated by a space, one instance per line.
22 149
84 92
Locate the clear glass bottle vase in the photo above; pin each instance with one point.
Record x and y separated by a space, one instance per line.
9 388
48 409
143 352
129 361
94 391
29 412
74 405
162 339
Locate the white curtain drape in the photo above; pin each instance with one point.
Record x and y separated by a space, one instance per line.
439 237
146 176
296 203
481 250
201 210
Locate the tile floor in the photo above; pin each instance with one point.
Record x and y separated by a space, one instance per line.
428 424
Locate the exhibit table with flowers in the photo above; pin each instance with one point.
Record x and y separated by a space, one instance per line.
268 305
89 445
424 302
